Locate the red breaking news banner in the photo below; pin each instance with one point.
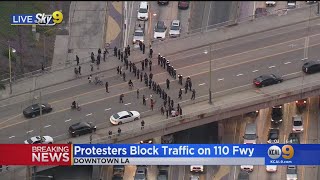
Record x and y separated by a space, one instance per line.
40 154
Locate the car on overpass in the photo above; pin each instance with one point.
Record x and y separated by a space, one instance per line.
276 115
39 140
271 3
301 104
183 4
34 110
293 138
196 168
163 2
243 175
271 168
297 124
175 29
148 141
82 128
311 67
273 136
291 4
124 117
160 31
267 80
248 168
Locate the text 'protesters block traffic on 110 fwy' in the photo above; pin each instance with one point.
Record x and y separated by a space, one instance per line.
160 154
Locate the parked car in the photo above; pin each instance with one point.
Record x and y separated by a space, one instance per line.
82 128
301 104
163 2
196 168
143 11
276 115
243 175
183 4
160 31
149 141
297 124
124 117
141 173
271 168
292 173
39 140
34 110
138 35
293 138
273 136
291 4
267 80
311 67
270 3
175 29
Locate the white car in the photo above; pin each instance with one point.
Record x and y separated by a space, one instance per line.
160 31
37 140
270 3
297 125
292 173
248 168
271 168
196 168
124 117
175 29
143 11
138 36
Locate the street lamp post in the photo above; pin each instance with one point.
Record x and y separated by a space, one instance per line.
210 73
10 67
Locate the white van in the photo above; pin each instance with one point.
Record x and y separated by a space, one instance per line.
143 11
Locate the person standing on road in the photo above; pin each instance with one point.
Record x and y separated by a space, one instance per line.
193 96
128 49
79 69
142 124
167 113
152 104
107 87
99 51
77 60
119 131
121 98
138 93
141 76
146 62
150 65
162 110
92 57
180 94
180 111
144 100
140 45
186 88
150 53
190 85
168 83
159 58
124 76
76 71
138 73
142 65
110 134
130 66
91 66
172 102
115 51
121 56
143 48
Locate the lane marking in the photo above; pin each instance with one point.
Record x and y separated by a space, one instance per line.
239 75
127 104
287 62
202 84
303 59
67 120
221 79
271 67
107 109
29 131
255 70
11 137
292 45
10 118
47 126
89 114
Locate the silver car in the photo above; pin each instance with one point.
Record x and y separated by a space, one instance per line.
138 35
297 125
292 173
175 28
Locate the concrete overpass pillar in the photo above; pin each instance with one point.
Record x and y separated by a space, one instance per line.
220 131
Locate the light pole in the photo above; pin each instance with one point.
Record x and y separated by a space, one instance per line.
149 28
210 73
10 66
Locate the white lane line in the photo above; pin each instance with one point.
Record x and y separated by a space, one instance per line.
107 109
271 67
29 131
292 45
304 59
67 120
47 126
221 79
11 137
255 70
202 84
127 104
287 62
239 74
89 114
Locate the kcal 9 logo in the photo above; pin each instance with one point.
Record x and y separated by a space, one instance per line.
57 17
287 152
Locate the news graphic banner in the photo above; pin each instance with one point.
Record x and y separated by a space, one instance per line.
41 19
160 154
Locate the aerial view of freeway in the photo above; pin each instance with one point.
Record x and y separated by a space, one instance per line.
104 72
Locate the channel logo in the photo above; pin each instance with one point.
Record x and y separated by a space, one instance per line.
286 152
41 19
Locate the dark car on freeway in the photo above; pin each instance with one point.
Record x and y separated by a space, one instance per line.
162 174
183 4
293 138
148 141
34 110
163 2
81 128
276 115
273 136
267 80
243 175
301 104
311 67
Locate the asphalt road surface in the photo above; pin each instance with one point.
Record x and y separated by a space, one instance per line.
234 65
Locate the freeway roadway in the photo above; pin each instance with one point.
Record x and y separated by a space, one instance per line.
234 65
